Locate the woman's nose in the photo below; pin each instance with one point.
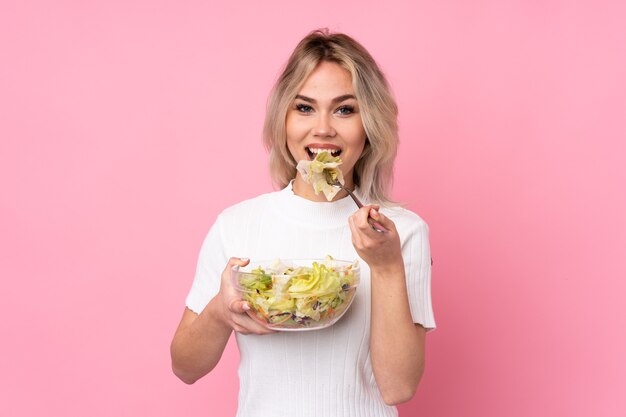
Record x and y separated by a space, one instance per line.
323 127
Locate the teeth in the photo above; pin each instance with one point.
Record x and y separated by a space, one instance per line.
333 152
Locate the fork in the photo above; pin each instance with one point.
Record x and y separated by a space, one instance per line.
375 225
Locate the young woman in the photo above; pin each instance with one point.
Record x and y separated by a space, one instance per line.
331 96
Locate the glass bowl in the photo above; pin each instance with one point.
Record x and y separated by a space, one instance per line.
297 294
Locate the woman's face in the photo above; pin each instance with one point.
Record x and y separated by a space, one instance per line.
325 117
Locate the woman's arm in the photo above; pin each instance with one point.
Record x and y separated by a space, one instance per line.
396 343
200 339
198 343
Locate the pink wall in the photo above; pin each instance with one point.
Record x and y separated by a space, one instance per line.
115 117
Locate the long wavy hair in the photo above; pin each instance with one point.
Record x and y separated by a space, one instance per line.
373 172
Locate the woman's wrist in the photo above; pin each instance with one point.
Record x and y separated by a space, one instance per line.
390 269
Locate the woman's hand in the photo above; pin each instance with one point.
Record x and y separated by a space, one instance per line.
379 250
233 310
200 339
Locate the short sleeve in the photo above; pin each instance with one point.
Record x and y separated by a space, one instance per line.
416 253
211 262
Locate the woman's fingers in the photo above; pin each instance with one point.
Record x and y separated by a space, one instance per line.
227 273
245 324
374 219
242 322
368 216
236 261
383 220
373 247
238 306
356 234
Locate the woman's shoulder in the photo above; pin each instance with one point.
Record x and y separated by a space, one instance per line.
405 219
248 206
402 214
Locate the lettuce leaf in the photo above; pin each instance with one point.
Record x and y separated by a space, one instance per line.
320 171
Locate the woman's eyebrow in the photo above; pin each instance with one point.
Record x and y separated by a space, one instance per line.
338 99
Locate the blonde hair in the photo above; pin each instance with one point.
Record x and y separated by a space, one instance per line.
373 172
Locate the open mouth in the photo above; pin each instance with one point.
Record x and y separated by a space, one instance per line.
313 152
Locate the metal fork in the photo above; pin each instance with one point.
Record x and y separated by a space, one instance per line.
375 225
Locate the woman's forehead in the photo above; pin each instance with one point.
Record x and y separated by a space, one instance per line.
328 80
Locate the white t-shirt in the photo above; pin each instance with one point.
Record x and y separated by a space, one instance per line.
321 373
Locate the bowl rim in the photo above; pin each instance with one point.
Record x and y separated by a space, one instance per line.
236 268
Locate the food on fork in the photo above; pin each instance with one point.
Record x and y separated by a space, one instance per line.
322 172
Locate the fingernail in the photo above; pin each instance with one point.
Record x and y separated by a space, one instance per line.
246 307
374 214
244 259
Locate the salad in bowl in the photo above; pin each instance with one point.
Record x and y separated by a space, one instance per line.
297 294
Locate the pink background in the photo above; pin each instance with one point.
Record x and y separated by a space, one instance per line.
127 126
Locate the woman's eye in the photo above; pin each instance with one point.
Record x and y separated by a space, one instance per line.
345 110
304 108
